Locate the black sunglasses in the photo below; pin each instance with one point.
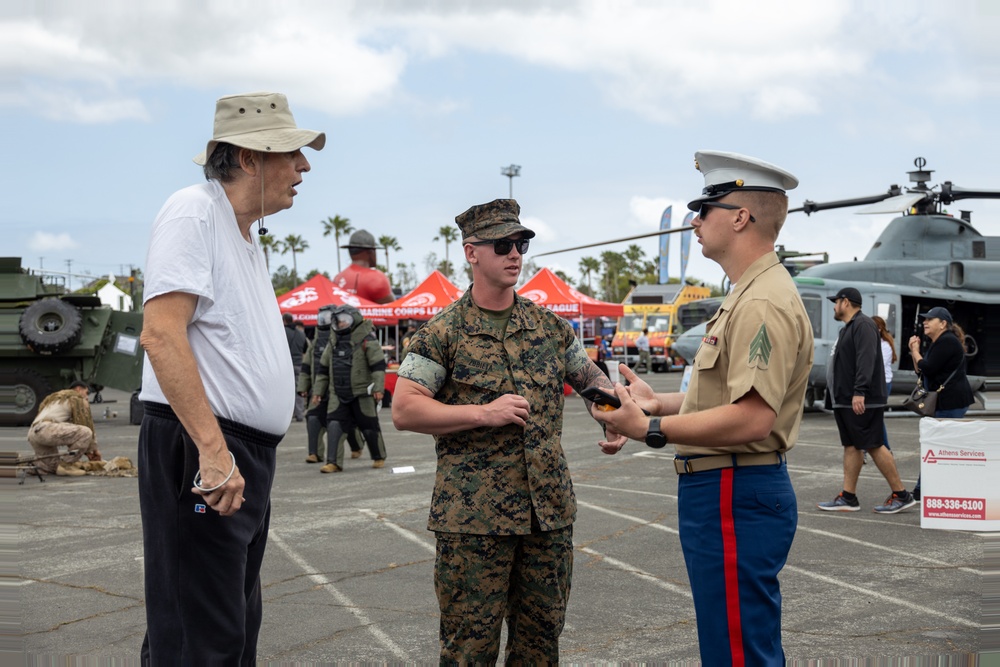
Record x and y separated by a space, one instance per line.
503 246
702 213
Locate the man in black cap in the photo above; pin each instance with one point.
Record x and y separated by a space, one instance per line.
856 393
485 378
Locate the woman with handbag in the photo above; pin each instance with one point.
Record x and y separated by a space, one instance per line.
942 364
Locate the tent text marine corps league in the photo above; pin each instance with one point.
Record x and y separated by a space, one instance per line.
304 302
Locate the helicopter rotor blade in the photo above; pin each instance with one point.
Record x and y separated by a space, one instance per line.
627 238
894 204
950 193
811 206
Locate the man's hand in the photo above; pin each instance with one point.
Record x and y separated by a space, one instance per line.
227 499
377 395
315 401
640 391
627 420
858 405
613 442
508 409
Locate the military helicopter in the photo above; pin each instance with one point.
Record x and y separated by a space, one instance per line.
924 258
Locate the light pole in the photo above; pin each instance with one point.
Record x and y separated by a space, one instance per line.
510 172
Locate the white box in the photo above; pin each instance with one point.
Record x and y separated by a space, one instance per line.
959 469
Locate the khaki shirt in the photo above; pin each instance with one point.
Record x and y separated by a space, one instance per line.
761 339
490 480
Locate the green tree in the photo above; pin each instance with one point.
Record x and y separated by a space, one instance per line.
588 267
406 276
446 268
282 280
448 234
389 243
269 244
294 244
565 278
614 278
316 272
635 261
528 271
337 226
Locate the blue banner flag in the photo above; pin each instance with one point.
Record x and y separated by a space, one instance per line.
665 247
686 244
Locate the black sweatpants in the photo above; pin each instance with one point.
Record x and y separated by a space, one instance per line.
202 570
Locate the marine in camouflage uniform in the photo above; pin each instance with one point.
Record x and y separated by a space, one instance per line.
503 504
351 376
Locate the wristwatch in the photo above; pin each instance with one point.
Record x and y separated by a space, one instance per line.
654 437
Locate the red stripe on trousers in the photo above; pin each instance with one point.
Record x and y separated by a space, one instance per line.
729 565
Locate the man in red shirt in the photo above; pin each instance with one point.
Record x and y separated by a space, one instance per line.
361 277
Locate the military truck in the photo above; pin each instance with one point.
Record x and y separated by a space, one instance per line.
49 338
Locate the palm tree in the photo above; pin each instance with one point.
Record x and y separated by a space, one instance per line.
447 234
269 244
294 244
613 263
389 243
338 226
634 256
588 267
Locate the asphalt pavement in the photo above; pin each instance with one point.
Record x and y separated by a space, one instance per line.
348 571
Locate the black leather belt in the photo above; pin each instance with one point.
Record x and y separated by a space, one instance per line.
703 463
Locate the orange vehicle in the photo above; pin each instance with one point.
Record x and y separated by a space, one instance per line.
652 307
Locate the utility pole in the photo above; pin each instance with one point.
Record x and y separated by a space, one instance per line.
510 172
69 275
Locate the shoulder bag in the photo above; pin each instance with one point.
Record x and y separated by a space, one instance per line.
923 401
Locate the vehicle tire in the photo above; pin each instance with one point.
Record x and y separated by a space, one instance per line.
26 388
51 326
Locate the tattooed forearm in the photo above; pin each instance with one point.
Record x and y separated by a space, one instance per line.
589 376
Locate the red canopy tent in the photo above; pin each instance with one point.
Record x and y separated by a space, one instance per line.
422 303
304 301
548 290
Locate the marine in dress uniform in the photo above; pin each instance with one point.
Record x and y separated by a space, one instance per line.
740 416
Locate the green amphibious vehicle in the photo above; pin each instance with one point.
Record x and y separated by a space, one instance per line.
49 338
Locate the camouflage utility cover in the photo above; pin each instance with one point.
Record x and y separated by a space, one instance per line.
490 479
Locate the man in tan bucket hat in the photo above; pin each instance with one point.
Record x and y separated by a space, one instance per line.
217 388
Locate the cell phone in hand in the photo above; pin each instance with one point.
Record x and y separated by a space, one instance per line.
602 399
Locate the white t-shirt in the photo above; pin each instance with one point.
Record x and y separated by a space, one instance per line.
236 332
887 360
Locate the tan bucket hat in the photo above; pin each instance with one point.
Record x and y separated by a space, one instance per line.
260 122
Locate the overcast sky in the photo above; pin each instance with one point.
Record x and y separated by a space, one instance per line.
603 105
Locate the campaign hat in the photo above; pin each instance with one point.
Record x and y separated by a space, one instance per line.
361 239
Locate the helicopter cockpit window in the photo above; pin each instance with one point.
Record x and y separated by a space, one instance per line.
887 311
814 309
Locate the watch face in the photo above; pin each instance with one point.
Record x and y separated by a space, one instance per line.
654 437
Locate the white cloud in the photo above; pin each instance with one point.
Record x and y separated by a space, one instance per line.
667 61
46 242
